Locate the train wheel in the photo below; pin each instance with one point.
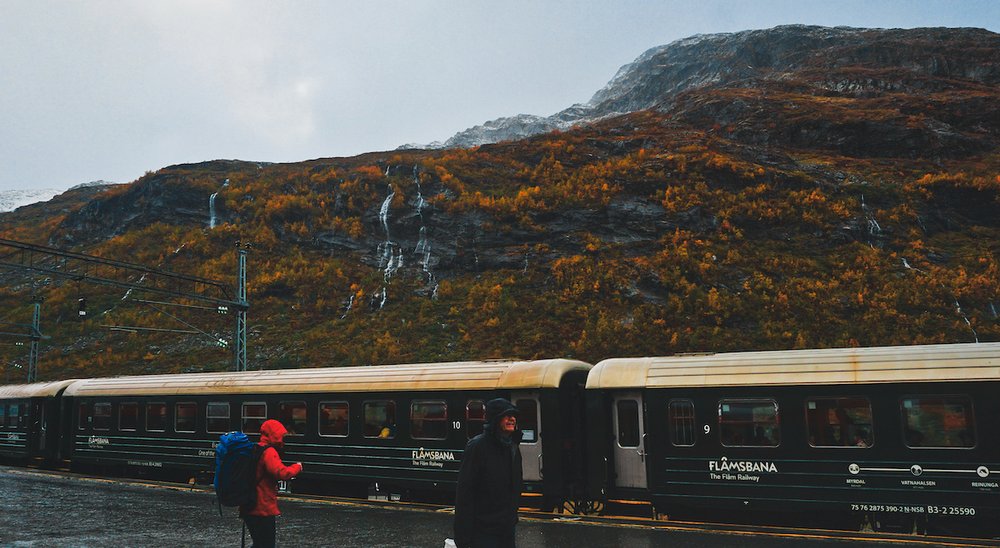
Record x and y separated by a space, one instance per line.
596 508
894 523
583 507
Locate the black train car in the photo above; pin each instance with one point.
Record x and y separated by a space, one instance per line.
382 430
30 420
893 438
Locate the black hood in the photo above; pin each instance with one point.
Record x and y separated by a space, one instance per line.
497 408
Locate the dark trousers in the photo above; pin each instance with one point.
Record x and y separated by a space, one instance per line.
493 539
261 530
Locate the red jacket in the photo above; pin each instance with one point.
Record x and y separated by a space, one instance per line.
270 470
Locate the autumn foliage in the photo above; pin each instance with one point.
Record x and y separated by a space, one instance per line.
635 236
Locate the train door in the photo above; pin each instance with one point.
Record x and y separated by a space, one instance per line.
531 436
39 429
629 446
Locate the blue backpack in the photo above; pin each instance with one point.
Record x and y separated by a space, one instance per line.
236 460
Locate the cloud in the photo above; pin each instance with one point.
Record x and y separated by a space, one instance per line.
242 59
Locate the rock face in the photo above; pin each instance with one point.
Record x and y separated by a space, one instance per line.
893 60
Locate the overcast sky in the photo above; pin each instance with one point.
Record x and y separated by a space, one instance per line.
110 89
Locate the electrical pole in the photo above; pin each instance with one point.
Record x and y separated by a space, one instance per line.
241 308
36 334
82 268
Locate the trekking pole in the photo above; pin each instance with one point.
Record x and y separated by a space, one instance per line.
243 536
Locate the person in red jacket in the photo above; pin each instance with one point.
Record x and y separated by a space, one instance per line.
260 518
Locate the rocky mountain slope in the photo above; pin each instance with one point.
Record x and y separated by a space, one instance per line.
796 187
827 57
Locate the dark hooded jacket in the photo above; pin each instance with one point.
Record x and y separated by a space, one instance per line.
489 481
270 469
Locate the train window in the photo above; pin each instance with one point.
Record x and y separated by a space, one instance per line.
156 417
380 419
185 415
254 415
3 416
429 420
102 416
527 420
293 415
681 418
128 416
475 418
939 422
334 418
628 423
840 422
83 417
12 415
749 423
217 417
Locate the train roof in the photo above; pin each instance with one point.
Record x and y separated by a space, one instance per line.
889 364
33 390
486 375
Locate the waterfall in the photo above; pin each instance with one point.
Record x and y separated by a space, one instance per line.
423 248
383 212
420 197
390 254
211 210
873 226
350 304
211 205
958 307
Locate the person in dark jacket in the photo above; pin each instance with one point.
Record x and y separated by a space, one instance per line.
260 518
489 482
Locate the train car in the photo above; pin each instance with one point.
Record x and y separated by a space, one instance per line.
29 421
892 438
392 430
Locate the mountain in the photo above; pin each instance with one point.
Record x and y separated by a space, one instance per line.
13 199
785 188
827 57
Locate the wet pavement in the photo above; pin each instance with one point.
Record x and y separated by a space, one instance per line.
42 509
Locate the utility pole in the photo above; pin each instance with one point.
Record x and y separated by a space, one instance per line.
36 334
241 308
